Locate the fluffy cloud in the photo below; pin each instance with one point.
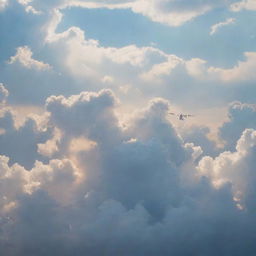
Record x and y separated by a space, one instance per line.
136 185
24 57
134 71
84 178
236 168
147 70
88 114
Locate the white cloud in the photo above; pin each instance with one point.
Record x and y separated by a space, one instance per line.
25 2
3 94
58 178
3 4
24 56
87 114
235 167
162 69
13 180
130 187
170 12
31 9
243 71
147 70
215 28
86 57
245 4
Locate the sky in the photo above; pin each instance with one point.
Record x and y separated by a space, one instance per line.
91 160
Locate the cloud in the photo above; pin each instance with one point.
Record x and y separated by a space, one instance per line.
24 57
86 114
137 73
245 4
175 13
148 69
29 8
198 135
20 143
24 2
3 94
90 177
215 28
139 184
236 168
241 117
3 4
241 72
169 12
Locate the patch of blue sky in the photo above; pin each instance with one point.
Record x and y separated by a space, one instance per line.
118 28
18 28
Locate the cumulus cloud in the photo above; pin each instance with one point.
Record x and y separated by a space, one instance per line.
135 71
237 168
24 56
147 69
138 184
84 178
215 28
87 114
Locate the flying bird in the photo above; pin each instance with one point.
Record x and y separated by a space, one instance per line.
181 117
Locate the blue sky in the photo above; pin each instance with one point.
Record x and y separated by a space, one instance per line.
118 28
94 157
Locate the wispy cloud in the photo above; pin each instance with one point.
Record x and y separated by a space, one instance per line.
215 28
